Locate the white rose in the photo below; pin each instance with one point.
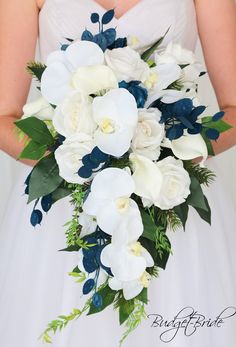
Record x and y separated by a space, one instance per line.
175 185
149 134
39 108
175 53
69 156
127 64
74 115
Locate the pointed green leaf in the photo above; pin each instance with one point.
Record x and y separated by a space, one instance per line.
125 310
45 178
147 54
196 198
36 130
33 151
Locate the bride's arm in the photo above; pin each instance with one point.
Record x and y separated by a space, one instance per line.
217 30
18 36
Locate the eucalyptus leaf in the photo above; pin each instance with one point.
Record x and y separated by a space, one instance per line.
44 178
36 130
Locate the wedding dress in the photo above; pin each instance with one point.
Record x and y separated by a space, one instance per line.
34 283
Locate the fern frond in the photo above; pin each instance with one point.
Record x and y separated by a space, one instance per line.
203 174
36 69
134 320
169 219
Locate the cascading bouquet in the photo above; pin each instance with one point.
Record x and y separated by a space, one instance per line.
116 129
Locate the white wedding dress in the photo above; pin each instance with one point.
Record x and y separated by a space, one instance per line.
34 283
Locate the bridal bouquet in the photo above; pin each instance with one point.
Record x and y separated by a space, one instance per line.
116 130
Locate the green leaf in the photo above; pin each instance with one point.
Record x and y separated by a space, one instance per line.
220 125
149 226
72 248
36 69
147 54
196 198
143 296
182 212
108 296
159 259
45 178
205 215
36 129
125 310
33 151
60 193
208 142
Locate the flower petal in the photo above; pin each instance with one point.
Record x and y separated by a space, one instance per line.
55 82
84 53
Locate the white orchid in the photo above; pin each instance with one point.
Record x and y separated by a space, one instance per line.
147 177
74 115
60 75
88 223
161 76
70 154
116 116
109 201
130 288
127 261
39 108
188 147
149 134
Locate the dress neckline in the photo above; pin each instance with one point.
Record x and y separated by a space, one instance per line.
131 9
94 3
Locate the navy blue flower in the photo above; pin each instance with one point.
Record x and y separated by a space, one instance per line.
179 116
140 93
91 162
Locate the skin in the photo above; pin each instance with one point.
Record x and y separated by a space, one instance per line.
18 35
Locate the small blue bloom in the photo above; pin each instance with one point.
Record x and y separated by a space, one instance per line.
140 93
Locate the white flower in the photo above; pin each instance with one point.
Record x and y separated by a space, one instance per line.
188 147
160 78
69 156
74 115
39 108
127 261
88 223
109 200
147 177
56 80
130 288
149 134
175 53
176 183
127 64
116 115
94 79
102 276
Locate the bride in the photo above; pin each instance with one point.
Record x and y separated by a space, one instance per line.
200 279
